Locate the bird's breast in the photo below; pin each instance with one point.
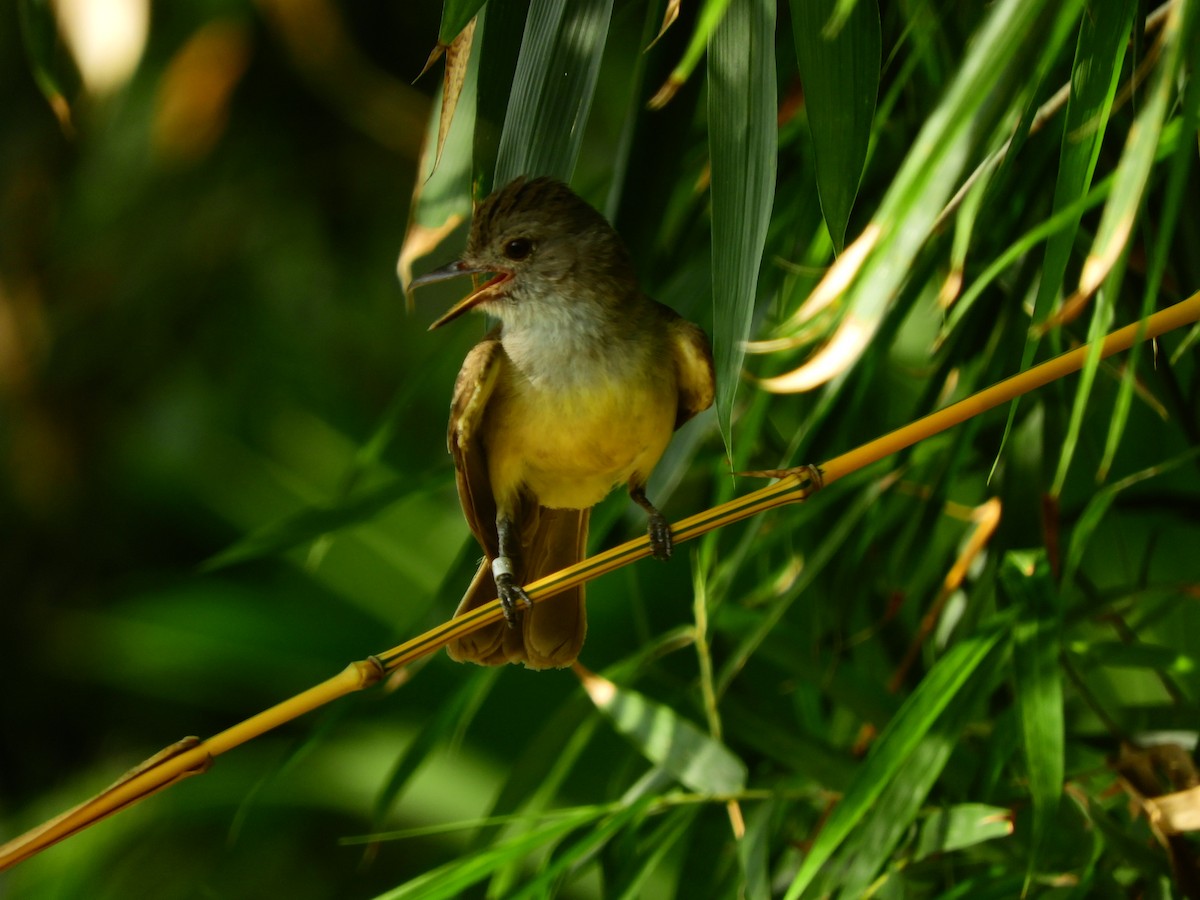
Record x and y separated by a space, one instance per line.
573 431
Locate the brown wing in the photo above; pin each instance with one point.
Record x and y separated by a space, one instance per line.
472 389
692 356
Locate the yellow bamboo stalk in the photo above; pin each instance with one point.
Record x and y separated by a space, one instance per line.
193 756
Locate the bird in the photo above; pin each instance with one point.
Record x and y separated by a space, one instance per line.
575 392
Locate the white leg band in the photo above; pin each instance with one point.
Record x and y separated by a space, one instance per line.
501 565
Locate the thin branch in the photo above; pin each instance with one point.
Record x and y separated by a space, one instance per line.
193 756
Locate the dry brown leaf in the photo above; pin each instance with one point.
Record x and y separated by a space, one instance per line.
458 54
421 240
669 16
835 357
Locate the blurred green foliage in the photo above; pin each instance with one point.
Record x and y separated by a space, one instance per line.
222 465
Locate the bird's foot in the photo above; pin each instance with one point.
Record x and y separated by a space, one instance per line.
513 598
661 540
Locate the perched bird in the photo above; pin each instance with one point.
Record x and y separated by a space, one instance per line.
576 391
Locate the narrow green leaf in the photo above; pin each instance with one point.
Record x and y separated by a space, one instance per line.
869 847
552 88
987 92
1100 503
659 843
1118 655
582 850
742 138
1099 52
961 826
455 16
441 729
308 525
1101 321
1104 267
1137 157
754 853
666 739
1026 581
894 746
56 78
453 878
1163 234
502 23
839 68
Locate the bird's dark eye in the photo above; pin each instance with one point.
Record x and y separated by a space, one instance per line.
518 248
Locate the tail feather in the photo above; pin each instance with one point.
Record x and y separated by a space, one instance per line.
550 634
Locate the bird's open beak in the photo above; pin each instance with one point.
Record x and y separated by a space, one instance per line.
484 293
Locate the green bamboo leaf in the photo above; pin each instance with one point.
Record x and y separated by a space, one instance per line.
450 880
1099 52
1099 505
583 849
455 16
1137 158
1102 319
895 745
1163 235
441 729
660 842
987 91
1105 261
696 760
742 137
754 853
839 68
308 525
961 826
1118 655
1026 581
552 88
867 850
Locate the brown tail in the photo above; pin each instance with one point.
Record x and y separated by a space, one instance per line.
550 635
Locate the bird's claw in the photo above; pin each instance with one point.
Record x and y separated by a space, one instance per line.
661 540
513 599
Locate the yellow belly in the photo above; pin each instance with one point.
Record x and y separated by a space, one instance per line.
571 448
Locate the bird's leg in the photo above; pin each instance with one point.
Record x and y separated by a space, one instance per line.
658 529
512 596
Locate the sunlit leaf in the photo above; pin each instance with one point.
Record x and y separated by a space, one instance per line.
972 107
1137 157
1163 236
668 740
